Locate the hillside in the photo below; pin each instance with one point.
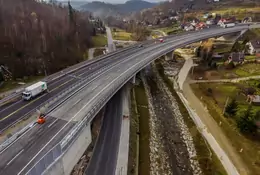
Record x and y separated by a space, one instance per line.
74 4
38 37
102 9
165 12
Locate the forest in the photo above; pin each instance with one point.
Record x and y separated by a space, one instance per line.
39 38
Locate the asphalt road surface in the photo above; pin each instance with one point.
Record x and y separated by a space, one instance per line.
104 157
25 148
77 106
15 111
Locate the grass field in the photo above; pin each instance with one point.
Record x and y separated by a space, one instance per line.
121 35
215 104
250 57
174 29
246 70
99 40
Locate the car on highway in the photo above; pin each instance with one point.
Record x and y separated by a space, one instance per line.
161 40
140 46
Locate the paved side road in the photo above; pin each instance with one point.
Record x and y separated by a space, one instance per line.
104 158
91 53
110 44
233 80
216 136
122 158
209 127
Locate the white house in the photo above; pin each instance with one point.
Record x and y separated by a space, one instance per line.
253 46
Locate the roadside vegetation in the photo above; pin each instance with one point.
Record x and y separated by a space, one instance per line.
239 118
240 12
99 51
139 133
99 40
119 34
133 157
207 159
45 39
172 29
144 131
12 84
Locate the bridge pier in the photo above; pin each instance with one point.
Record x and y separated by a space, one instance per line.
169 56
132 80
66 162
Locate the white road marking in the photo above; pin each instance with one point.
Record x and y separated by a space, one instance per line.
76 102
83 108
53 122
15 157
11 105
205 34
94 87
14 141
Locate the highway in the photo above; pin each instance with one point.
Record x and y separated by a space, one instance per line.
29 148
105 152
60 121
14 112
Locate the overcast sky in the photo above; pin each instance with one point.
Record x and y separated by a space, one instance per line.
113 1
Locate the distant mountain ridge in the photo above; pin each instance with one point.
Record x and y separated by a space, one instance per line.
103 9
74 4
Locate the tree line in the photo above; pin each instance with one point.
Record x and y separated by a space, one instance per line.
139 32
38 38
246 121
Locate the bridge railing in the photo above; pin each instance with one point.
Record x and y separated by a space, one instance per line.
56 152
46 160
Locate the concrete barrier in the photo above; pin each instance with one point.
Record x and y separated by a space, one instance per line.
66 162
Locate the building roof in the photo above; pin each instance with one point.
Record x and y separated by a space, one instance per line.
256 99
237 56
255 43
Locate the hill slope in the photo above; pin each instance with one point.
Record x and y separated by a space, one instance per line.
106 9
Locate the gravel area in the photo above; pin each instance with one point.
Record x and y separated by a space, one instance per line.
171 144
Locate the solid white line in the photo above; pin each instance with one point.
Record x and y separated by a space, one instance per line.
76 102
11 105
14 157
14 141
83 108
204 34
94 87
76 116
52 123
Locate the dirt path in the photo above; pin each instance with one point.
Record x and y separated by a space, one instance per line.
214 128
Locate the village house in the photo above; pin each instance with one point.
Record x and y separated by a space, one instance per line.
254 99
236 57
253 46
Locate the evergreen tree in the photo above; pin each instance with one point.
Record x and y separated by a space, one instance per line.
246 122
231 108
71 13
257 116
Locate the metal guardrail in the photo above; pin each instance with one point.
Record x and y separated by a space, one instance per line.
67 141
46 161
16 94
73 68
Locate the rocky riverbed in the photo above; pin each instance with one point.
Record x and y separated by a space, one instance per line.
171 144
